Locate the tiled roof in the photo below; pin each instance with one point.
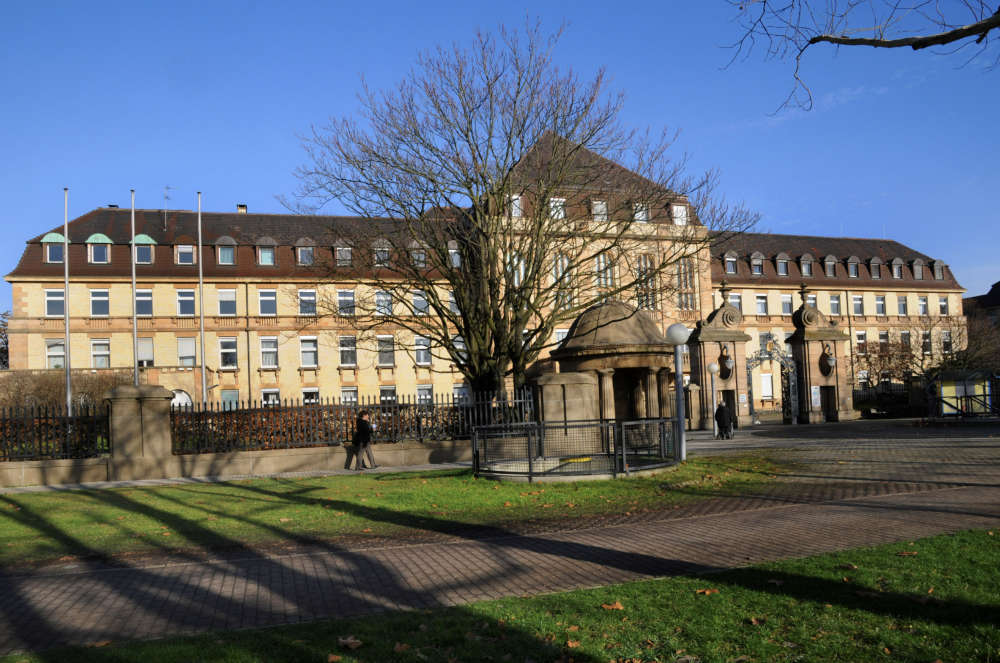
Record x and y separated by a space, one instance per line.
795 246
988 301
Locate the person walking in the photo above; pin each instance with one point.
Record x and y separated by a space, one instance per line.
724 421
363 442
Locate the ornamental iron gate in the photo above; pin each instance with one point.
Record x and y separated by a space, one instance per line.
773 350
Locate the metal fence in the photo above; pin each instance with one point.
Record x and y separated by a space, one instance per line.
45 433
251 426
573 448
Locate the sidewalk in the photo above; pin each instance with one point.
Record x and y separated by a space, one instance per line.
855 494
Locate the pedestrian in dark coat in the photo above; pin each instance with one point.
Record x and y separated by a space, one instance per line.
363 442
724 420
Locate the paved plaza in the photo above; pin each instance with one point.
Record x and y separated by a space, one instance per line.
852 484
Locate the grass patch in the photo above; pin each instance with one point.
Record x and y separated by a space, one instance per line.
870 604
41 527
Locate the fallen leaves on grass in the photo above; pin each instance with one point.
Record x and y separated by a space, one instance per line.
617 605
283 520
706 592
349 641
757 621
572 643
906 553
848 567
573 628
508 504
333 658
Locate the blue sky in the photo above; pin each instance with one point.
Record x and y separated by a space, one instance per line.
213 96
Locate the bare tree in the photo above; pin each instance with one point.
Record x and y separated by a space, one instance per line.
788 28
931 343
4 341
498 197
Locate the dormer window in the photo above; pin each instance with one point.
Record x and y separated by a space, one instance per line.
806 265
938 270
599 210
782 267
265 256
853 269
419 258
730 260
99 249
875 267
557 208
918 269
226 255
640 213
143 254
831 266
305 255
184 254
680 214
757 264
897 268
53 252
380 255
343 256
516 207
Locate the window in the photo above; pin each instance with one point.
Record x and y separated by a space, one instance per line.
349 395
766 387
859 304
348 351
98 253
99 304
862 342
381 256
265 256
761 304
946 342
425 394
925 342
387 395
516 208
227 353
640 213
557 208
386 351
788 343
418 257
852 270
383 303
736 301
904 340
345 302
943 305
603 271
55 353
831 267
879 304
897 270
782 268
834 304
786 304
307 302
452 303
55 303
305 255
186 351
599 210
561 334
309 351
756 266
460 393
901 304
185 302
459 345
145 351
938 271
343 256
184 254
143 254
922 304
269 352
270 397
420 306
685 284
53 252
680 214
918 270
811 300
227 302
225 255
730 265
229 399
454 258
267 301
100 353
876 270
144 303
807 268
310 396
883 341
422 350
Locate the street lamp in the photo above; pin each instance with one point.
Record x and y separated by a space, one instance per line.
713 368
677 335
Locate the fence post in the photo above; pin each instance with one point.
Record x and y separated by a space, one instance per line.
139 426
531 462
621 441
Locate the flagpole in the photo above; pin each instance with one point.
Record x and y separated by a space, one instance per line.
135 321
69 384
201 311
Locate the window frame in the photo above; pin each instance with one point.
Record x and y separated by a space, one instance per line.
270 397
343 346
184 249
48 255
902 305
194 352
422 349
223 352
49 299
943 307
95 355
384 351
790 308
880 304
557 208
730 262
50 356
680 214
144 295
861 341
301 251
597 215
383 303
343 303
782 267
640 212
515 204
923 305
269 295
152 254
194 306
222 299
107 253
95 298
417 296
307 296
218 254
303 340
268 352
139 351
264 250
310 396
760 305
857 304
352 392
835 299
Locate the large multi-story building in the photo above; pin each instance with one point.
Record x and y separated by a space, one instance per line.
886 296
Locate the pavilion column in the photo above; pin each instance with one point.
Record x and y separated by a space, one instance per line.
663 384
652 394
607 390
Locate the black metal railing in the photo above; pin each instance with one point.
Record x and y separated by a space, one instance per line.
45 433
572 448
250 426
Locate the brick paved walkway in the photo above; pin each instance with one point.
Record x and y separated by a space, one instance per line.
843 495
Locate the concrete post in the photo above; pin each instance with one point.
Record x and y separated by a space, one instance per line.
607 388
652 394
141 440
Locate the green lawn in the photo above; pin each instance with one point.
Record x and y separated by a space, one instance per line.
922 601
41 527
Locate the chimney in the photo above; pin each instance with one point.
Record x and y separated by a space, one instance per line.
241 208
110 206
